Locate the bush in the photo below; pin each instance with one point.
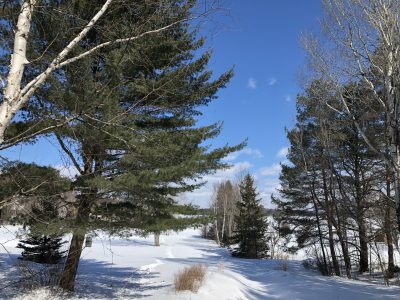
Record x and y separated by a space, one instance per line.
284 266
35 275
310 264
190 278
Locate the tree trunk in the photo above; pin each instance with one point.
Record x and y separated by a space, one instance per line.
67 281
389 237
156 239
11 103
332 250
329 216
216 231
223 222
389 231
363 246
343 241
325 267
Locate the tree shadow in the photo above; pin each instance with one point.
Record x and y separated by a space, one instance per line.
97 279
9 275
266 279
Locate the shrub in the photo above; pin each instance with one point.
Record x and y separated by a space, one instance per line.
310 264
190 278
35 276
284 266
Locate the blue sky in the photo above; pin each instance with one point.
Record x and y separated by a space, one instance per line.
261 40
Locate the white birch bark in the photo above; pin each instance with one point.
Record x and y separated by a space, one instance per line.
12 87
16 96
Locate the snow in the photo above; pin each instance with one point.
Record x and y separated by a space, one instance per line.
117 268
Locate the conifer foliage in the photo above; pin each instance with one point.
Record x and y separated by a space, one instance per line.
43 249
251 226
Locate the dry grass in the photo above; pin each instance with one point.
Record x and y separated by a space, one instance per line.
284 266
190 278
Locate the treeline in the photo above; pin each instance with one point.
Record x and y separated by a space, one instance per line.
340 187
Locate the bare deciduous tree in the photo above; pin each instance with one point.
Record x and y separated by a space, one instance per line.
363 45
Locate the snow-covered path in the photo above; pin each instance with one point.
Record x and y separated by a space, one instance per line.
134 268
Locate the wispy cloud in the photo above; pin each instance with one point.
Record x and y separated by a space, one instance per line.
272 81
252 83
288 98
273 170
283 152
253 153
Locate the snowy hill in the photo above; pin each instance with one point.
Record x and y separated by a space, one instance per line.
134 268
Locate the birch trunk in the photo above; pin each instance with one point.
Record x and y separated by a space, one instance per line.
11 91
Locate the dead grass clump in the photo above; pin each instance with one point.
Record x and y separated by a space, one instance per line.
190 278
284 266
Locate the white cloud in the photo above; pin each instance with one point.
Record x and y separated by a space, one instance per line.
270 187
66 170
253 153
272 81
273 170
288 98
252 83
232 156
202 196
283 152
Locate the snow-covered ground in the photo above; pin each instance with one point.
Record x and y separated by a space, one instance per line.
134 268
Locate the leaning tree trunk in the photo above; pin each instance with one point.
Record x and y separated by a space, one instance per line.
67 281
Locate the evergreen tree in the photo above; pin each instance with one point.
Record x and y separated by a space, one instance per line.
136 143
251 226
43 244
40 188
43 249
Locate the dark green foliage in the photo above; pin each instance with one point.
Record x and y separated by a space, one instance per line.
36 191
251 225
133 135
22 179
43 249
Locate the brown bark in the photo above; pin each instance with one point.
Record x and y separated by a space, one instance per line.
67 281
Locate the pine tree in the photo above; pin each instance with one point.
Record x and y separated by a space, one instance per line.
43 249
251 226
42 245
136 143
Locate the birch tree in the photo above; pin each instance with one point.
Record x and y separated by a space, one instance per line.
362 44
20 84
